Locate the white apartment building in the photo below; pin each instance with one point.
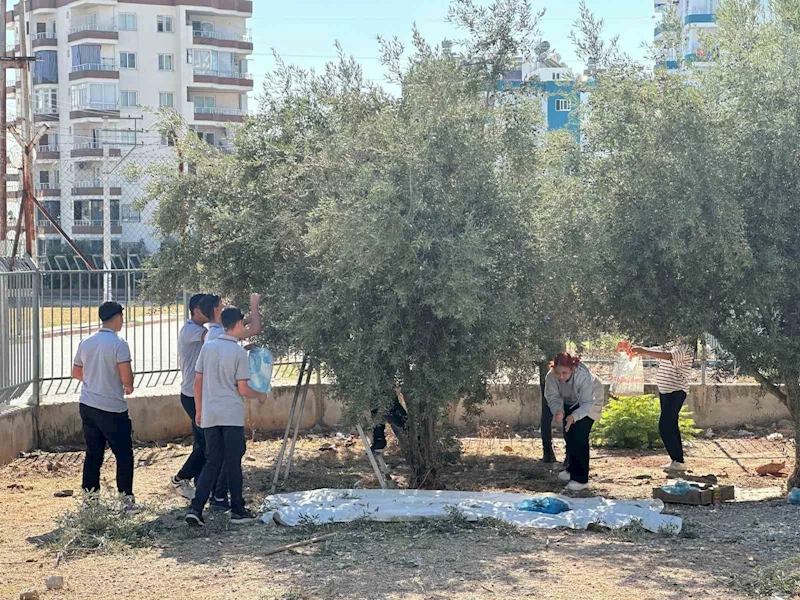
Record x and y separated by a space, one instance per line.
103 67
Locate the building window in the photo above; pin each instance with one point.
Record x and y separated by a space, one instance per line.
164 24
556 76
128 99
127 22
165 62
45 101
127 137
129 214
100 96
563 105
208 137
127 60
166 100
167 141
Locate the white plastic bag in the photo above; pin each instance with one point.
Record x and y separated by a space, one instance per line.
261 364
628 376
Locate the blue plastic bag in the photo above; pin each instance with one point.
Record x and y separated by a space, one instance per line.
550 506
261 363
794 496
679 489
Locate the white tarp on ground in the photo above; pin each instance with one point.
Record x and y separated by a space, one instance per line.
343 506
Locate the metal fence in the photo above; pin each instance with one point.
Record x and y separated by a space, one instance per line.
18 326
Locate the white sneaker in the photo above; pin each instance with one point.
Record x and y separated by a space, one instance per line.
564 476
574 486
674 467
182 487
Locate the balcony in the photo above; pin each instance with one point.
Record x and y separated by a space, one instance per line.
47 189
44 40
48 151
106 30
698 18
94 187
213 113
92 149
45 226
95 110
45 113
223 39
94 226
101 70
212 77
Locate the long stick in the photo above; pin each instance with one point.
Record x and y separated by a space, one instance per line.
298 420
3 140
298 544
279 460
371 457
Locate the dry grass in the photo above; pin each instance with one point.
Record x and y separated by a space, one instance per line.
86 316
451 559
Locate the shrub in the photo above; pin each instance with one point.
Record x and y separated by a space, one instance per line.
632 422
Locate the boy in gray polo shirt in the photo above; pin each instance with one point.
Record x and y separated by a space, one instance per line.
103 364
221 384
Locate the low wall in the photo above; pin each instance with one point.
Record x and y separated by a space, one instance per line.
16 433
158 418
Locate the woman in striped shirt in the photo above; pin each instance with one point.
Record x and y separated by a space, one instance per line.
674 369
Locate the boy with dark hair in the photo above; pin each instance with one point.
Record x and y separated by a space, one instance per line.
103 364
190 342
221 384
211 308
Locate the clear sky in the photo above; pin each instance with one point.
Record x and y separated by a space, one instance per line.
304 31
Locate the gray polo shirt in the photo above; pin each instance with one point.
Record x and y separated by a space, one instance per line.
99 354
222 363
190 342
214 331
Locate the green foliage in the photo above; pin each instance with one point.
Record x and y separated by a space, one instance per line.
101 524
632 422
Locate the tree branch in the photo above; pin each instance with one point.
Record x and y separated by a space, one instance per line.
769 387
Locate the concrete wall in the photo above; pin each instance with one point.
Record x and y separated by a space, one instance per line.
158 418
16 433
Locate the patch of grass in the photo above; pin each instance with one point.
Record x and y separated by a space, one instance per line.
782 577
102 524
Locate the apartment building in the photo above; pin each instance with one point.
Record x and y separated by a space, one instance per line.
103 68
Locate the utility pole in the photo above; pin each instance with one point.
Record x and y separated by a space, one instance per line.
3 144
27 124
106 215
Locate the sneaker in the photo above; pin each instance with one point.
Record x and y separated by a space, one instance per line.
182 487
675 467
194 519
220 505
564 476
574 486
243 516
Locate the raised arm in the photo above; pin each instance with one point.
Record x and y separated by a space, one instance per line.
254 326
657 354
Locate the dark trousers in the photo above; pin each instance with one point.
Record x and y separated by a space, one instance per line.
671 405
101 427
396 416
224 446
194 464
547 427
577 439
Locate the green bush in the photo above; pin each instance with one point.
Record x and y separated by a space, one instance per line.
632 422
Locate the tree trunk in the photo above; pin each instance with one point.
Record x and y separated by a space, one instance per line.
793 393
423 450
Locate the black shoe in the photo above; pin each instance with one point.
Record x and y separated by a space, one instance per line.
194 518
243 516
378 444
549 457
220 505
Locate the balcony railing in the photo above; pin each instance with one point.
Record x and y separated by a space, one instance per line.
216 110
93 145
92 26
223 35
103 66
88 183
45 35
227 74
93 223
45 110
96 106
49 148
45 186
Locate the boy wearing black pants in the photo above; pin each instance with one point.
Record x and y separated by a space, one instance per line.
221 384
103 364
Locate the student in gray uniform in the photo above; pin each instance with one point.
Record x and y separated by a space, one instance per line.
213 307
103 364
221 384
575 396
190 342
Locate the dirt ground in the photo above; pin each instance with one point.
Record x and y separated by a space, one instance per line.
720 550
